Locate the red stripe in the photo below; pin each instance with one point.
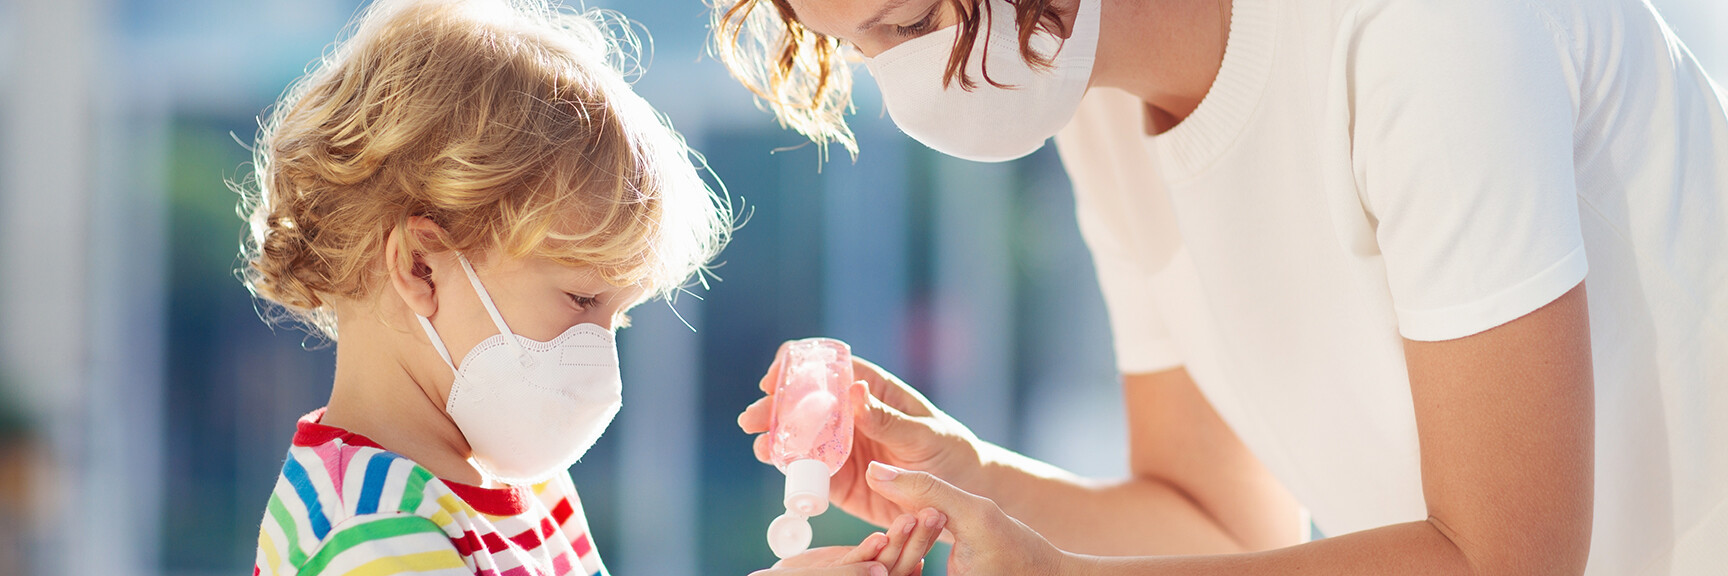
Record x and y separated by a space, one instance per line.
547 528
468 544
494 544
528 540
562 511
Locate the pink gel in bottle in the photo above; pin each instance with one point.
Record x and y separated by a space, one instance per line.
809 434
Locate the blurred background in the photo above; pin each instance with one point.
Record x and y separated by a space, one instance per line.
145 409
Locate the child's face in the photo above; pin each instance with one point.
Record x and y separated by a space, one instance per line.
538 298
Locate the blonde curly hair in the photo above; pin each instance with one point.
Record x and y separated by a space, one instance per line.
509 123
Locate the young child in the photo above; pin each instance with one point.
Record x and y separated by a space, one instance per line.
466 196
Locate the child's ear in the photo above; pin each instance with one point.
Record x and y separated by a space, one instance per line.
411 269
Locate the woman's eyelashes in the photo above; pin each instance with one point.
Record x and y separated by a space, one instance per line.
922 26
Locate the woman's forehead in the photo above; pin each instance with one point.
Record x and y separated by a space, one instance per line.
845 18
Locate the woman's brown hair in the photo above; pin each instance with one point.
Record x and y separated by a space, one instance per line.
805 78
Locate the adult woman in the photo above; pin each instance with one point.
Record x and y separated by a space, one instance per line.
1343 245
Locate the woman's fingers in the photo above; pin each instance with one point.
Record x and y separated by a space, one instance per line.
754 418
919 490
771 379
760 446
882 422
890 389
923 535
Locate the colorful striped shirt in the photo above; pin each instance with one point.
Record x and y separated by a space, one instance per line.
344 505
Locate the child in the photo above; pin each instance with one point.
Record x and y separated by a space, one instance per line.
466 197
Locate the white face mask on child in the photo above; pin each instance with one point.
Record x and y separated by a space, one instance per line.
531 409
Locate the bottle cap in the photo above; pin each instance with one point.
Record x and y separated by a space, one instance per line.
789 535
807 487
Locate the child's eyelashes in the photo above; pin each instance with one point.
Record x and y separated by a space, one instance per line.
584 302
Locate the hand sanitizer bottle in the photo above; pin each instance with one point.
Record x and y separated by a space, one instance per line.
810 434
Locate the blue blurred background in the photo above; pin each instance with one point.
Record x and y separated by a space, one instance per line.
145 408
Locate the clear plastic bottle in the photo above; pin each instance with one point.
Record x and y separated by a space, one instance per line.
809 434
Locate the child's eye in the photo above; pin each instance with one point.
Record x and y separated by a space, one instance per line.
584 302
921 26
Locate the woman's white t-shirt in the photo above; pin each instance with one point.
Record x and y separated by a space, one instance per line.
1369 170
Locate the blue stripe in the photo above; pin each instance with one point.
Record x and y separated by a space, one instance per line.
377 469
296 475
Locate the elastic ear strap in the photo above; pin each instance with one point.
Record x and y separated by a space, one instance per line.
486 299
437 342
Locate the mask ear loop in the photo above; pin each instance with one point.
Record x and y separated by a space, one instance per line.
437 343
497 319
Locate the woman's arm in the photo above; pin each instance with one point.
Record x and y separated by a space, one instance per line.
1506 423
1194 487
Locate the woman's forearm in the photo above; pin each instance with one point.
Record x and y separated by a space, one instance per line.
1409 549
1136 516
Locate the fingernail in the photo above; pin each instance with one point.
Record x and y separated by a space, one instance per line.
935 520
906 524
878 570
883 472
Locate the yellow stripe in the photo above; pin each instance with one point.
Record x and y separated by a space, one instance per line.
455 506
442 518
268 545
421 562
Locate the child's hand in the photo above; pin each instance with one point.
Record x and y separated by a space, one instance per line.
900 552
833 561
909 539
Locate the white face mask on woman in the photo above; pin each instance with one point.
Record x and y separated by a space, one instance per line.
531 409
988 124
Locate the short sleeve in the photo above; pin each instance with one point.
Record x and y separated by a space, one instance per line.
388 543
1127 221
1463 115
1142 341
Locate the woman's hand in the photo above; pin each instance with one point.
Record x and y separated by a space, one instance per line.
899 552
893 424
986 540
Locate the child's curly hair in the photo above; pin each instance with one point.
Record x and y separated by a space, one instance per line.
509 123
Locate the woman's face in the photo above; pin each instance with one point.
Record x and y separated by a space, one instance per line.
874 26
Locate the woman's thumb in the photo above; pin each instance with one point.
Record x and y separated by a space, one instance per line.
918 490
879 421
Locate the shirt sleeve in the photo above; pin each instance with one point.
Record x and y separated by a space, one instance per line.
1463 117
1127 222
385 543
1142 341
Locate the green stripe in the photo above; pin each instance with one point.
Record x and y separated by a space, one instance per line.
415 490
286 521
341 540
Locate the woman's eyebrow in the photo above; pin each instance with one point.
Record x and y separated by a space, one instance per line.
881 14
